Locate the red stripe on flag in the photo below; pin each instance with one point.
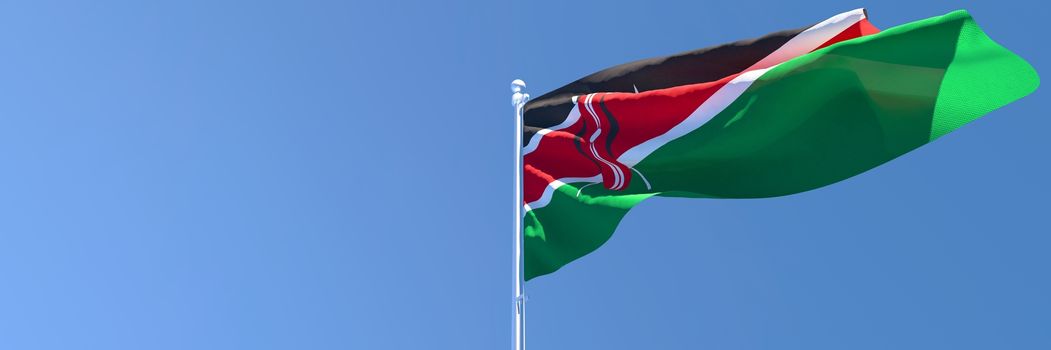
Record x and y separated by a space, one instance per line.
859 29
639 117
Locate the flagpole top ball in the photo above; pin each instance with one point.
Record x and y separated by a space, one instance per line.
517 85
519 98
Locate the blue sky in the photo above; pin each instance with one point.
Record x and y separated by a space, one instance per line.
337 175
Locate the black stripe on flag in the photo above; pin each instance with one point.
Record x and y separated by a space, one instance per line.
690 67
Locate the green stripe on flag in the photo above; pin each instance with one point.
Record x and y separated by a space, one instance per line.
983 76
570 226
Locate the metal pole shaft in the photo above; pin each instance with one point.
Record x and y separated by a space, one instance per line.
518 100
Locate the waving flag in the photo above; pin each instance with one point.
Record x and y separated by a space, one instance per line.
781 114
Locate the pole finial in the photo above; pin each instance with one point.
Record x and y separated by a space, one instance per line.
517 85
519 98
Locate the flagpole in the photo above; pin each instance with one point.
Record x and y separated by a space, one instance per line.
518 99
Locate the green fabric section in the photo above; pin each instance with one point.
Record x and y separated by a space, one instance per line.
571 226
983 76
809 122
834 113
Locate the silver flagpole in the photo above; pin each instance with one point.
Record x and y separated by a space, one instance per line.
518 99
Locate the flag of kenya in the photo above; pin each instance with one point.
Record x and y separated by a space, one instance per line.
785 113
